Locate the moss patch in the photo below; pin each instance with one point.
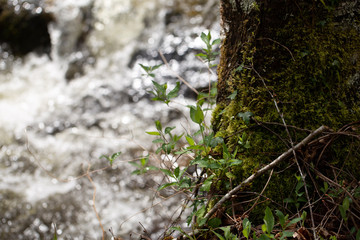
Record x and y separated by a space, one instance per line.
309 60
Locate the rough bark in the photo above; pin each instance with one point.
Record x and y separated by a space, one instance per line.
295 65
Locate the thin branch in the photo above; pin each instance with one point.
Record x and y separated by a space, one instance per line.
177 75
93 203
292 56
293 151
260 172
261 193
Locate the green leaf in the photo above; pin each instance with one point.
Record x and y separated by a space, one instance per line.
230 175
160 88
207 184
55 235
155 67
153 133
146 68
263 237
269 220
136 172
202 55
205 37
190 140
233 95
158 125
358 235
196 114
144 161
239 68
282 218
235 162
159 140
216 141
166 185
303 216
214 222
219 236
216 41
167 172
287 234
246 228
176 172
169 129
246 116
295 220
174 93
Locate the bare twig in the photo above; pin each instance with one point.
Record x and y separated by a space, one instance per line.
292 56
177 75
293 151
260 172
261 193
93 203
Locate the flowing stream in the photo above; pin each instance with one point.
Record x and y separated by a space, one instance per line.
60 112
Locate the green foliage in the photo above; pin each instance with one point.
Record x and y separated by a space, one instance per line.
228 235
209 54
111 158
143 166
162 95
344 207
246 228
150 69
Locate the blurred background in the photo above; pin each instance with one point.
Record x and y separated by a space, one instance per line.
71 90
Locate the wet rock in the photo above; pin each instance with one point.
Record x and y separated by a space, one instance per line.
24 31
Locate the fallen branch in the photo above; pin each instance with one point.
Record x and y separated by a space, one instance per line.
270 166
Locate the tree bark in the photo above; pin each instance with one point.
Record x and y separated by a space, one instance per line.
295 66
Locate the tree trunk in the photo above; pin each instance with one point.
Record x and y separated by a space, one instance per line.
293 66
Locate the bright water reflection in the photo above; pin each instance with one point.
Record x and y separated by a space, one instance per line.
89 100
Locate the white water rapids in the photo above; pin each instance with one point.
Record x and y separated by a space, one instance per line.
90 99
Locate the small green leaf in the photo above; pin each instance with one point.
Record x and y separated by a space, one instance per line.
167 172
239 68
146 68
190 140
196 114
214 222
233 95
303 216
177 172
207 184
153 133
159 140
166 185
287 234
216 141
115 155
155 67
295 220
269 220
281 216
158 125
174 93
169 129
230 175
246 228
246 116
216 41
219 235
235 162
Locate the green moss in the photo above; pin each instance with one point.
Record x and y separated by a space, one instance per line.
309 62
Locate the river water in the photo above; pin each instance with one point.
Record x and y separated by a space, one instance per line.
61 112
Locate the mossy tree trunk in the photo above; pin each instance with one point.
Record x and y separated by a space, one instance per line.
295 65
